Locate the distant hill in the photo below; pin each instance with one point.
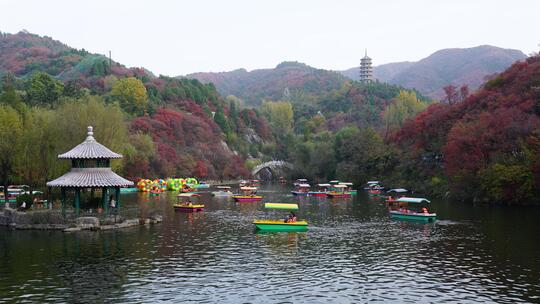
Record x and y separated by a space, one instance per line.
383 72
455 66
24 53
287 80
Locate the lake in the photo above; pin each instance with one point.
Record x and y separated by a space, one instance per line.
353 252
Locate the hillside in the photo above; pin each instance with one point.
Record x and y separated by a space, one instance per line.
468 66
172 124
489 143
288 80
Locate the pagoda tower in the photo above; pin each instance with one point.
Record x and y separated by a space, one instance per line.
90 169
366 70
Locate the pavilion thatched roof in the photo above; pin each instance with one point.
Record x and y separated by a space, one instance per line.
90 177
90 149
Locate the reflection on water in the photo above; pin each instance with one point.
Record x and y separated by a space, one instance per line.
352 252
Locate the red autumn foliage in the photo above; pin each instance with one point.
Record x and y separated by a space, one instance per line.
494 124
188 144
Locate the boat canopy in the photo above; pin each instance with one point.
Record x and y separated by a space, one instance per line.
281 206
223 187
248 188
372 182
301 180
334 181
304 186
188 195
346 184
324 185
398 190
417 200
340 186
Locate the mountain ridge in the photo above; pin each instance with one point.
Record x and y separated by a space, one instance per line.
456 66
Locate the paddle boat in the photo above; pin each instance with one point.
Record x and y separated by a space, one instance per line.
289 224
349 187
333 182
394 194
223 191
412 208
300 181
249 194
11 194
186 203
202 185
187 189
375 189
155 191
338 192
129 190
322 190
370 184
301 190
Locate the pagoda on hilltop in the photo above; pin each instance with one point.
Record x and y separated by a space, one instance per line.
366 70
90 169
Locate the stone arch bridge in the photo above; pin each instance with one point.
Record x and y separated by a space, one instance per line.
272 169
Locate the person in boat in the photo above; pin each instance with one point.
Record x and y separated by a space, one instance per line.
424 210
291 218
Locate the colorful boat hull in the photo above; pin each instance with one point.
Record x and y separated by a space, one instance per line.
338 195
374 192
280 225
299 193
188 208
318 193
222 194
247 199
423 217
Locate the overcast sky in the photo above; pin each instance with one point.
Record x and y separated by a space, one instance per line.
181 37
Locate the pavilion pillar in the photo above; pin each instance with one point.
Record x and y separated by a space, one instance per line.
77 201
117 194
63 200
105 200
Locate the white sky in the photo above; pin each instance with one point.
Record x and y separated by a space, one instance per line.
181 37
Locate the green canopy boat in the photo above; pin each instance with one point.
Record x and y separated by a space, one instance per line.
290 224
412 208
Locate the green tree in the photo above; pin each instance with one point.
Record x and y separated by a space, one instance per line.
507 183
404 106
110 127
280 115
132 95
42 89
221 120
11 130
10 96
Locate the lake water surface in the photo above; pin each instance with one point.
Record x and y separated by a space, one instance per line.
352 252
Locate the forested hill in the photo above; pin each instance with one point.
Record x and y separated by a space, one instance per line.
467 66
486 146
287 81
164 126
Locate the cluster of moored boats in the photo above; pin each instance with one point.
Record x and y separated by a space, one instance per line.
332 189
399 205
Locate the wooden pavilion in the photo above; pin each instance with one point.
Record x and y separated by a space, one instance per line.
90 169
